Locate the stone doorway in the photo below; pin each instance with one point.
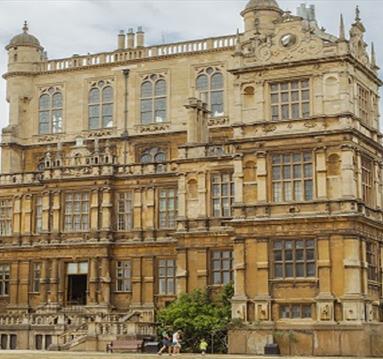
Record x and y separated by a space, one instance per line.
77 283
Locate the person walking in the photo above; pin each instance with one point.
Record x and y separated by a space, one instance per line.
166 343
176 342
203 346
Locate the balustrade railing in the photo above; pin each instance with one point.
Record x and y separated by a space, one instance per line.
78 61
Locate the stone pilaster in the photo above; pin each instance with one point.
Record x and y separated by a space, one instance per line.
347 174
106 209
94 211
181 195
136 281
16 219
44 281
238 179
27 215
325 299
148 282
93 278
321 172
45 211
378 184
105 282
56 210
182 272
14 284
261 175
239 300
54 282
23 290
202 194
137 213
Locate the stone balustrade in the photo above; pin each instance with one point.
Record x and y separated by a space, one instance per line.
124 55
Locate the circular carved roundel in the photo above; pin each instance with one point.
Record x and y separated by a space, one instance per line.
288 40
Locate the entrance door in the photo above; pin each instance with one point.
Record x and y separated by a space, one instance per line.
77 284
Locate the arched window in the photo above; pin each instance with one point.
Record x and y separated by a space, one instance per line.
50 111
153 99
153 155
210 85
100 111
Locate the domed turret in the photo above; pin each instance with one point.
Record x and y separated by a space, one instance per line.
24 52
259 16
24 39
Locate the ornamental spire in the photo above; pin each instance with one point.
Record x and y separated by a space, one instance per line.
357 14
373 56
25 27
342 36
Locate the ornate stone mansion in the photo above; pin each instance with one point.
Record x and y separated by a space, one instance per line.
132 176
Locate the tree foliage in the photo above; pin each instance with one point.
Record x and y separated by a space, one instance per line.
198 315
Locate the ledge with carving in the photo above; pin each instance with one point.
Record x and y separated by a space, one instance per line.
203 151
309 125
152 127
218 121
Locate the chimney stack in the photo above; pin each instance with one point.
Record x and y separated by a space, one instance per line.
121 40
130 36
140 37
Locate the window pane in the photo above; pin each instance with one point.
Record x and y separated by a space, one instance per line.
94 96
44 102
217 81
160 88
107 95
57 100
147 89
202 82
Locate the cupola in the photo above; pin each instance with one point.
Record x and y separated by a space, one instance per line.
260 15
24 39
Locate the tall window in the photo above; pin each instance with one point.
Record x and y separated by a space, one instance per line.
292 177
367 181
290 99
153 99
167 207
222 267
36 275
4 279
166 276
6 212
294 258
76 215
100 106
38 214
372 252
51 111
222 194
124 211
123 276
210 85
364 105
295 311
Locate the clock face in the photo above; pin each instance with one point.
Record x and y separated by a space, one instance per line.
288 40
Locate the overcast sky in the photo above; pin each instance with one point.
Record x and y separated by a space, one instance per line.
67 27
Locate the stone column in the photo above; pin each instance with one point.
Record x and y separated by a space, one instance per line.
44 281
262 300
321 172
182 272
136 282
238 179
325 299
149 219
14 284
261 175
202 272
61 282
202 194
137 213
353 303
359 174
105 281
148 282
106 209
181 195
239 300
348 184
54 281
23 291
378 184
16 219
27 215
94 211
92 294
56 209
46 211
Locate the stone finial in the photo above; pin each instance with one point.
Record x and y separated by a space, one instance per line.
25 27
238 49
357 14
342 36
373 56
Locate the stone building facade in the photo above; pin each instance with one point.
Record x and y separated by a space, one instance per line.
132 176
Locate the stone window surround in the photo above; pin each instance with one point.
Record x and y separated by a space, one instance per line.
101 85
44 90
123 276
165 264
218 256
82 214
